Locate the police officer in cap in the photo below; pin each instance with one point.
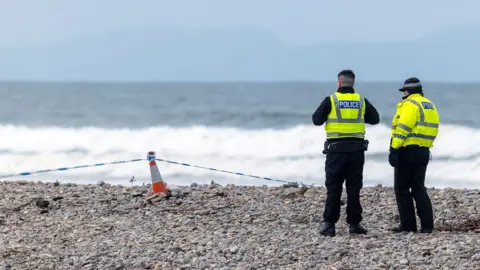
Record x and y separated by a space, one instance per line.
345 113
414 129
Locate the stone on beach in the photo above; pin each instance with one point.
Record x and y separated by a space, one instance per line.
68 226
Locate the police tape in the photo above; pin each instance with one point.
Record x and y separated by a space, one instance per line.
225 171
70 168
158 159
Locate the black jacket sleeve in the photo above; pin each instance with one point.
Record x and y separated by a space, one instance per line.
320 115
371 114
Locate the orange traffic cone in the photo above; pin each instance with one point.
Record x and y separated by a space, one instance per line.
158 186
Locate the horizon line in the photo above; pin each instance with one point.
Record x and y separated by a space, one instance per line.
58 81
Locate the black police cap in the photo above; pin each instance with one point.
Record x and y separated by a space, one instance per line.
411 84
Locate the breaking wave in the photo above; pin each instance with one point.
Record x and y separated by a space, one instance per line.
292 154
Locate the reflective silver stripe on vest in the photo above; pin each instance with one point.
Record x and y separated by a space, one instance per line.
339 116
339 134
422 115
402 126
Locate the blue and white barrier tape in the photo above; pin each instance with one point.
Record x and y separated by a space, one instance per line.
150 157
224 171
70 168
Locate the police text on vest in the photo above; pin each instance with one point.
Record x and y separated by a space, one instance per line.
427 105
349 104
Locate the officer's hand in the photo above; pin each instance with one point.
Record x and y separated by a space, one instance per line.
393 157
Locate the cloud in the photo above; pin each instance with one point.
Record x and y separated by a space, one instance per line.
29 23
238 54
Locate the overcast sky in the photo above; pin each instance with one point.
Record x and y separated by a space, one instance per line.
300 22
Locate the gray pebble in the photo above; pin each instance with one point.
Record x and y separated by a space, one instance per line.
220 227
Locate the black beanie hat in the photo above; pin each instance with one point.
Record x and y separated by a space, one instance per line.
412 85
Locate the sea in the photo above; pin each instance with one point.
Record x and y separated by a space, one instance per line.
256 129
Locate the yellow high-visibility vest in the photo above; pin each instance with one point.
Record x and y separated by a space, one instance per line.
346 118
416 122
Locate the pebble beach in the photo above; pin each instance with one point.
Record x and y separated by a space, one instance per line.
72 226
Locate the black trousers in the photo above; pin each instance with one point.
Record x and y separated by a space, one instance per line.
340 167
409 185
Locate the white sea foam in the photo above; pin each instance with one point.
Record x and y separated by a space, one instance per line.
288 154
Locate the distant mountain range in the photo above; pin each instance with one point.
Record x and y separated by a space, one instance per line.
155 54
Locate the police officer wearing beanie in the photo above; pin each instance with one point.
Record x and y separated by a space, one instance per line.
345 113
414 129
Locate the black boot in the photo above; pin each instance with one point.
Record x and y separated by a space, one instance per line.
356 229
426 230
328 229
400 229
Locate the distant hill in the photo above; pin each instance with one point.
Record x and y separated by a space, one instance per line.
241 54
